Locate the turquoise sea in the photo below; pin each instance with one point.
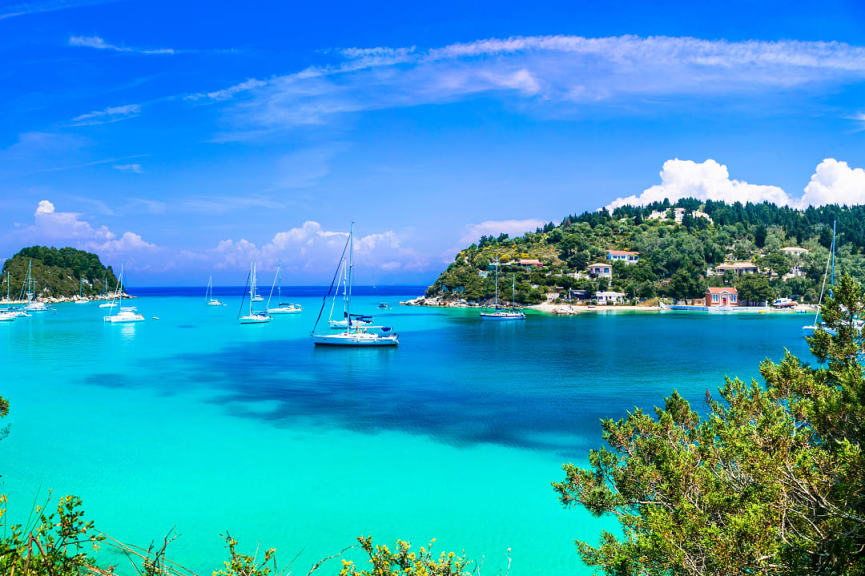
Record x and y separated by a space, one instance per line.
197 423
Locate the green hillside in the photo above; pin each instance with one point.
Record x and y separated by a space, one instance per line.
678 245
56 272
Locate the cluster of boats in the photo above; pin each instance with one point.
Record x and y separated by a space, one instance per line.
124 314
347 328
351 329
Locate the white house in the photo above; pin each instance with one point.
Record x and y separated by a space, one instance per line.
794 251
609 298
623 256
600 270
738 268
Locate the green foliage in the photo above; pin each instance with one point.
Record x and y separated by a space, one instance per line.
4 411
405 562
56 544
754 289
674 257
57 272
245 565
769 481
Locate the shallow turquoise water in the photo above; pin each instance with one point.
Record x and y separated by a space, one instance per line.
196 422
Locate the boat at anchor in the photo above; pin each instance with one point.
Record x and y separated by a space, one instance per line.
359 331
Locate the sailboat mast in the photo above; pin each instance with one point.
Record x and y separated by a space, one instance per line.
350 271
29 281
832 282
497 282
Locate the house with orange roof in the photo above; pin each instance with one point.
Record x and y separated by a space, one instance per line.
721 296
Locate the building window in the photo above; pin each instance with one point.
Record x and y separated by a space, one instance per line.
714 297
733 298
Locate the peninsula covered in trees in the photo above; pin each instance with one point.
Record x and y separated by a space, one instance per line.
665 250
56 273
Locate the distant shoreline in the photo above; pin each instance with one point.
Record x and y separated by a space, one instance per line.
66 299
566 309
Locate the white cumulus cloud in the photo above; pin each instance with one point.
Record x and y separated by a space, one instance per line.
312 249
834 182
706 180
53 227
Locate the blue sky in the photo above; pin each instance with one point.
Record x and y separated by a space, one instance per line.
184 139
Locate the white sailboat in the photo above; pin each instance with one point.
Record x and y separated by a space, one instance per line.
355 334
281 307
209 300
251 317
830 266
501 313
110 303
126 314
32 305
81 298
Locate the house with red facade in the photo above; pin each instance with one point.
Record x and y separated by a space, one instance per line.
721 296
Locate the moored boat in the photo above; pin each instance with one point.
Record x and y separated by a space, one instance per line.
124 316
209 300
281 307
359 331
252 316
499 312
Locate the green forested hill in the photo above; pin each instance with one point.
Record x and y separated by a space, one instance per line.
56 272
678 244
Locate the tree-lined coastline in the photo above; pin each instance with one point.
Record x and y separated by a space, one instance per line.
680 246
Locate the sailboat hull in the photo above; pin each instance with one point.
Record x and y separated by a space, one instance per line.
356 339
284 310
503 316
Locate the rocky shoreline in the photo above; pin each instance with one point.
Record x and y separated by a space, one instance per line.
566 309
66 299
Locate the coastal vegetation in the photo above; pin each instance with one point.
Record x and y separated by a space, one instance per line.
679 246
56 273
769 480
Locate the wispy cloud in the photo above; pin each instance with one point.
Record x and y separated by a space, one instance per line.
108 115
134 168
563 73
28 8
99 43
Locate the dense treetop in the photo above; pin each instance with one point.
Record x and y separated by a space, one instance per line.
57 272
678 246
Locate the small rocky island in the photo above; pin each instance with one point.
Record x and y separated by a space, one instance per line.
58 275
